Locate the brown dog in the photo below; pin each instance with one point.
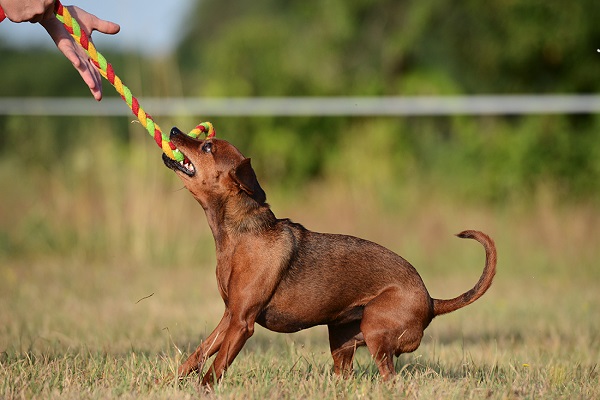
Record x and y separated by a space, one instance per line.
278 274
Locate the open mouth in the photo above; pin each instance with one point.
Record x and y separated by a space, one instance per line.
184 166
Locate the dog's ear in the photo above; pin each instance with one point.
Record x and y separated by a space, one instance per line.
243 175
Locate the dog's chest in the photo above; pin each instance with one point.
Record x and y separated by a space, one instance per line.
223 275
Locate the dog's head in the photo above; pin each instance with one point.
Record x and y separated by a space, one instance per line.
213 169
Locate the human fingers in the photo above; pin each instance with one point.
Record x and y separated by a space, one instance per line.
84 66
76 55
89 22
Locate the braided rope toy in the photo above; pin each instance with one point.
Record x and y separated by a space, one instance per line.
106 70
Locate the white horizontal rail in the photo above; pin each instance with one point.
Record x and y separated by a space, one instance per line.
309 106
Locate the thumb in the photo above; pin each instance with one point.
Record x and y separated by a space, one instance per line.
89 22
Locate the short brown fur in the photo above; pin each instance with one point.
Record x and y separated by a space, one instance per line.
278 274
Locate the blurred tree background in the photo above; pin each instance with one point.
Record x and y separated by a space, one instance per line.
387 47
346 48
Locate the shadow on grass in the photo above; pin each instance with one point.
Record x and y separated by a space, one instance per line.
309 354
468 338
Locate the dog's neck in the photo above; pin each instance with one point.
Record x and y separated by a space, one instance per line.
234 216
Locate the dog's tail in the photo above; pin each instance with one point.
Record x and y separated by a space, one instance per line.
485 281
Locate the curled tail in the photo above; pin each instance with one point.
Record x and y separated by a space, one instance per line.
485 281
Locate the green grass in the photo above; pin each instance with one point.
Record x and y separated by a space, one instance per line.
73 328
83 244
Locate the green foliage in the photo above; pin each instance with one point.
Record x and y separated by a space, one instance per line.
383 47
338 47
427 47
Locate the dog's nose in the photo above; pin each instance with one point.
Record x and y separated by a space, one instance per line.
175 131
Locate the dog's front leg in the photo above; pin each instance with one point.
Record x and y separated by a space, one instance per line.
207 348
238 332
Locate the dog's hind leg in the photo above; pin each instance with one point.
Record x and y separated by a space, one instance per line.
392 325
343 341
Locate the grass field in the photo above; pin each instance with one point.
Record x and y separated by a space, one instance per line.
107 282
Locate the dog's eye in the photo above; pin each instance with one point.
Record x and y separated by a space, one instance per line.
207 147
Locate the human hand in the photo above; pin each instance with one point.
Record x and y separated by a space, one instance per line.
73 51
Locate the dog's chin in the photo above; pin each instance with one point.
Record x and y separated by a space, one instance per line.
185 166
